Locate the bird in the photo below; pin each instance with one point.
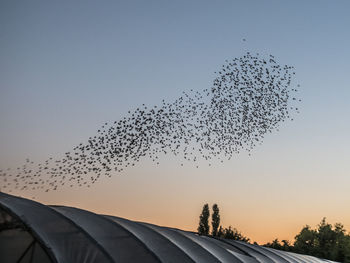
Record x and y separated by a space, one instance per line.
250 96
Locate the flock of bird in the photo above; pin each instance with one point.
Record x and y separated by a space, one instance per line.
250 97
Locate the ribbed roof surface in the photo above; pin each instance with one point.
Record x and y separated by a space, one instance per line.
70 234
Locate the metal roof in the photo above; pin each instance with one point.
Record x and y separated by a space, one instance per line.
39 233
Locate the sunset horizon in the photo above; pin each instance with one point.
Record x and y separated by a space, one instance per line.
148 111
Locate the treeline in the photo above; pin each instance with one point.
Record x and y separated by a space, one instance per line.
325 241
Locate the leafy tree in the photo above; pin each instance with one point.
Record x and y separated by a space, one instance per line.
326 237
274 244
283 245
233 233
215 220
326 241
203 228
286 245
306 241
343 243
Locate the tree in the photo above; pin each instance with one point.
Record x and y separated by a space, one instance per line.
326 241
326 237
215 220
343 243
203 228
233 233
220 232
284 245
306 241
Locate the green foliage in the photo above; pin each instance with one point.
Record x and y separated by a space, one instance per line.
306 240
203 228
215 220
232 233
326 241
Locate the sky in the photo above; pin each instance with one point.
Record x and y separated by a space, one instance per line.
67 67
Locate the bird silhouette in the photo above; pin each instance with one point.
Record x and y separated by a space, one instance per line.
250 97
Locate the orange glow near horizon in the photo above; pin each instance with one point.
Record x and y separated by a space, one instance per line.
259 209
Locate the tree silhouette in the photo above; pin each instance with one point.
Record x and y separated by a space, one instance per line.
233 233
220 232
215 220
203 228
285 245
306 240
326 241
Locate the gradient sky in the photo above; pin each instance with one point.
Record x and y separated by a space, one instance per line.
66 67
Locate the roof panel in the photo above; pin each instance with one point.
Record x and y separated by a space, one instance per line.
261 257
161 246
305 258
192 249
241 255
65 240
284 255
119 243
265 252
220 253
